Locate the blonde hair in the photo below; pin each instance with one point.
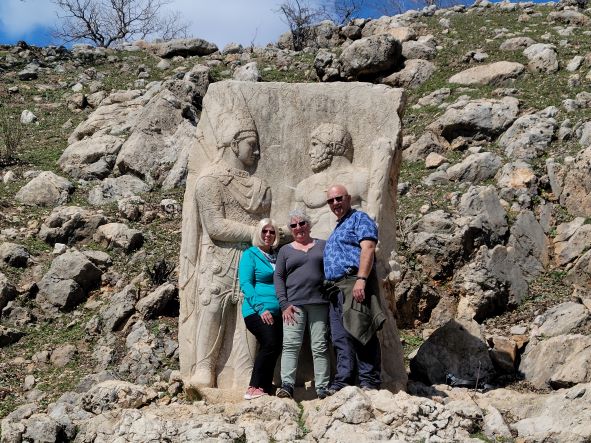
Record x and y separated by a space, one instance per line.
257 236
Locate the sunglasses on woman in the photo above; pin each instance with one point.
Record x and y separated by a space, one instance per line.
300 224
268 231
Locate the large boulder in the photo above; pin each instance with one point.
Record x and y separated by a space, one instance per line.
491 74
70 224
482 118
569 17
370 56
482 210
14 255
529 244
47 189
93 157
7 291
475 168
185 47
530 135
113 189
542 58
558 362
455 350
415 73
116 394
516 43
561 319
490 284
121 306
119 235
69 279
570 245
155 302
576 192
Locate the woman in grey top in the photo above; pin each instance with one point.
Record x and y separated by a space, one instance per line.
298 278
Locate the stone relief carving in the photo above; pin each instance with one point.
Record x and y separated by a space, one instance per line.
309 137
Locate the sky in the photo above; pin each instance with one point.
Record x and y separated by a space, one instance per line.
218 21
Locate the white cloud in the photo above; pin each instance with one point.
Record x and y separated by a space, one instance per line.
21 17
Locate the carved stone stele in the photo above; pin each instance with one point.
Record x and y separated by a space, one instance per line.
310 137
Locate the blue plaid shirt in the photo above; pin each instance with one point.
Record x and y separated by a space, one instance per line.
342 250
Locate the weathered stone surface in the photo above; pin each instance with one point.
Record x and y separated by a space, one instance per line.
490 284
494 426
476 118
457 349
481 204
475 168
516 176
542 58
503 353
184 47
152 304
112 189
247 73
569 17
7 291
47 189
516 43
415 73
567 249
63 355
370 55
562 319
491 74
529 244
119 235
529 136
576 192
70 277
14 255
70 224
116 394
226 114
120 308
559 362
9 336
421 49
564 415
92 157
580 273
427 143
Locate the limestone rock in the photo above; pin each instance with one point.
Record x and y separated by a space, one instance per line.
185 47
494 426
572 247
515 177
27 117
580 273
576 193
119 235
421 49
429 142
516 44
370 55
529 136
562 319
63 355
530 245
152 304
47 189
490 284
9 336
559 362
542 58
481 204
7 291
112 189
247 73
457 348
120 308
475 168
14 255
569 17
481 118
113 394
415 73
92 157
70 224
491 74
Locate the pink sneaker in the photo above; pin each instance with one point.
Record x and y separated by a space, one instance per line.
252 393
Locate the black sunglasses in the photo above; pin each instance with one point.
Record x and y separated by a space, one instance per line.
268 231
300 224
339 199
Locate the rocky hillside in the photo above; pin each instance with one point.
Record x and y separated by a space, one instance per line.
492 267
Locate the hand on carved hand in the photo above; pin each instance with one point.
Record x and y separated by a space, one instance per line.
289 315
267 318
359 291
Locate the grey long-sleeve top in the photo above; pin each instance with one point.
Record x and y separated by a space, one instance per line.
299 275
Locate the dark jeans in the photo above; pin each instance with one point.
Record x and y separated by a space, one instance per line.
355 362
270 338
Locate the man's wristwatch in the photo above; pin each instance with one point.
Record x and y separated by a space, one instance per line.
359 277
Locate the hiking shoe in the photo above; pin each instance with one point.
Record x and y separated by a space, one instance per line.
332 390
285 391
368 388
253 392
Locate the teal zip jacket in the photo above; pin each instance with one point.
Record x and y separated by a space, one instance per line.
255 274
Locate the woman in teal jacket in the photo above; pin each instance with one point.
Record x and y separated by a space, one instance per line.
260 307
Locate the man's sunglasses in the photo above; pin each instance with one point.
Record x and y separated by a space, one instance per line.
338 199
268 231
300 224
